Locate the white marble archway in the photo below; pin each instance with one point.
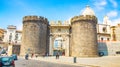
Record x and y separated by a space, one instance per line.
59 42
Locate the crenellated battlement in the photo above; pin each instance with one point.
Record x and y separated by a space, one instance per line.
59 23
84 18
35 19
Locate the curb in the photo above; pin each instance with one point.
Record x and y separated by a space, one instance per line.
60 62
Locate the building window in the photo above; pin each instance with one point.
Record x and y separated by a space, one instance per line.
35 26
104 29
10 36
9 41
0 38
16 36
70 30
59 35
102 39
15 41
59 29
108 39
56 44
32 26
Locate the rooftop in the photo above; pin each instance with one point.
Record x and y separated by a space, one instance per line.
88 11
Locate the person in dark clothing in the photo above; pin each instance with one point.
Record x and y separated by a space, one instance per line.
36 56
57 56
32 55
26 56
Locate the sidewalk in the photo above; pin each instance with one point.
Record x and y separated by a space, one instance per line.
106 61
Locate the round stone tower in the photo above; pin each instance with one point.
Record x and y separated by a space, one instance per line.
34 35
84 34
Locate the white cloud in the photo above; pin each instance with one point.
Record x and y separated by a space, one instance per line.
114 3
112 14
19 27
100 4
115 22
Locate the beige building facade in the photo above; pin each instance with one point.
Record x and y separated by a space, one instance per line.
12 35
117 32
1 34
104 30
59 38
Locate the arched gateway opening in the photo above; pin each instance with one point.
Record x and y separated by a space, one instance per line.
59 46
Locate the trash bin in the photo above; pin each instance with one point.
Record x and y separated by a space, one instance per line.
74 59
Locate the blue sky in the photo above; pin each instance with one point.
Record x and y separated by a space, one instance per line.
12 11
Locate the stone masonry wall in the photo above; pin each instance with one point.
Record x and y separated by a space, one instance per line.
84 36
34 36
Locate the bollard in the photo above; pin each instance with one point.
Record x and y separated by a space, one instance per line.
74 59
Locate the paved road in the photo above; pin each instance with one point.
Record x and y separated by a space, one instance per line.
37 63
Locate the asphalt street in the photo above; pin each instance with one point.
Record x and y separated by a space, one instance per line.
37 63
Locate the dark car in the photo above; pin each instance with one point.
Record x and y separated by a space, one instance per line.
14 56
7 61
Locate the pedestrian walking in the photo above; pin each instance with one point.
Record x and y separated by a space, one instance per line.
26 56
57 56
36 55
32 55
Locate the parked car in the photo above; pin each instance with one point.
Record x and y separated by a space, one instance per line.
101 53
14 56
7 61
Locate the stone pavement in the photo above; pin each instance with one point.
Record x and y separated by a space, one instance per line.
106 61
